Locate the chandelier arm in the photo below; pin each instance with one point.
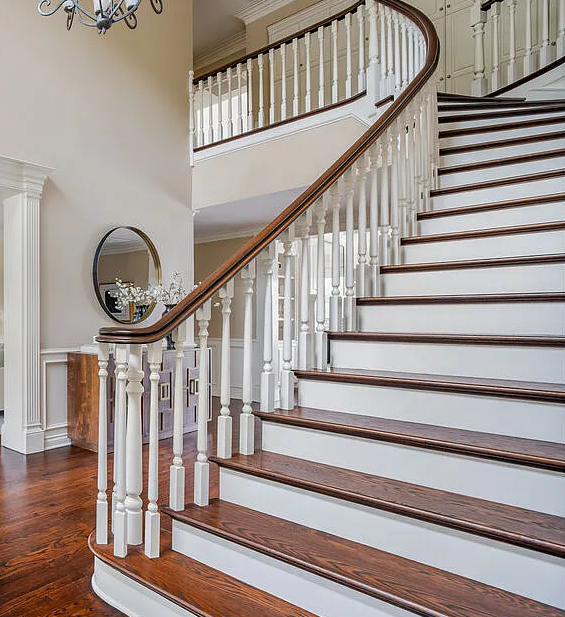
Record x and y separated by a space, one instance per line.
47 3
70 17
118 9
82 11
157 6
130 20
83 20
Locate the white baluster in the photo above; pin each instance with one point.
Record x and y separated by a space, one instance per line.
152 516
120 516
411 58
402 180
348 69
201 133
283 81
287 376
249 94
394 201
512 66
374 224
416 52
383 44
362 228
495 75
210 115
335 79
191 117
295 93
177 472
224 442
528 55
560 28
261 119
397 65
230 101
321 335
404 51
321 77
134 478
271 86
308 69
267 375
373 70
478 20
220 126
349 303
419 143
545 49
202 466
102 498
239 101
304 336
384 217
335 300
247 419
389 51
361 62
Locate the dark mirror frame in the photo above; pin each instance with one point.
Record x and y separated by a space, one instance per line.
96 282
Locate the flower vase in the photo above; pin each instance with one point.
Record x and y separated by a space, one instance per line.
139 312
170 342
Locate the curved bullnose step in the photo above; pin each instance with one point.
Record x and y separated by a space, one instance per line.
188 584
516 450
536 531
402 582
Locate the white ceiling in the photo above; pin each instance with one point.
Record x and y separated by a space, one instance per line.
214 22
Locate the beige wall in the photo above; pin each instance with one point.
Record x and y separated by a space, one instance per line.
110 114
131 267
207 257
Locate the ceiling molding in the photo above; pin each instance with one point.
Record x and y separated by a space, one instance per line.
220 51
228 235
259 9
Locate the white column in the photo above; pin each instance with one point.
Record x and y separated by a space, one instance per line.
287 376
478 20
191 117
247 419
529 65
335 82
349 302
102 498
321 336
348 69
202 466
267 374
261 119
220 125
545 49
230 109
295 93
250 123
308 76
335 300
224 441
560 28
512 66
374 224
362 228
239 101
321 77
304 336
152 516
495 75
176 493
121 353
361 62
283 81
373 70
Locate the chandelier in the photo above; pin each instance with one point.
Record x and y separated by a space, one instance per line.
104 12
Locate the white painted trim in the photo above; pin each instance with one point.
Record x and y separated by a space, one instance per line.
215 343
227 235
259 9
221 50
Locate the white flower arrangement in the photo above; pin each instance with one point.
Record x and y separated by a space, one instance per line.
128 293
170 295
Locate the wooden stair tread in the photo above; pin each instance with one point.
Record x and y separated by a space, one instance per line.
495 104
193 586
494 262
451 339
517 450
507 126
504 113
477 186
411 585
500 162
507 388
533 530
502 143
485 233
448 96
498 205
464 299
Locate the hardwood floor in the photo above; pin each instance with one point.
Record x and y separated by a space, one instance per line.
47 504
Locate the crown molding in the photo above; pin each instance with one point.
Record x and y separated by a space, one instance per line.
259 9
220 51
228 235
23 177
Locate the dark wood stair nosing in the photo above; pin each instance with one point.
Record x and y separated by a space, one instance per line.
450 106
503 113
501 143
462 299
507 126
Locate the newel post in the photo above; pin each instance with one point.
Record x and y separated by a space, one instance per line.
478 20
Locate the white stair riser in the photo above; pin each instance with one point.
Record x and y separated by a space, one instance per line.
541 318
514 245
309 591
519 486
490 361
490 154
485 560
490 414
496 135
495 122
515 190
505 217
502 171
510 279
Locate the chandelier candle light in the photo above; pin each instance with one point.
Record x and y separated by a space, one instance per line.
104 12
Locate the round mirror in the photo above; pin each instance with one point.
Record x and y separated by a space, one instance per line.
126 263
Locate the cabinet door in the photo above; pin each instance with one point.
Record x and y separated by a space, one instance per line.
459 56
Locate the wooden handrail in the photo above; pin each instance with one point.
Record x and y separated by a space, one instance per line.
485 6
189 305
298 35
